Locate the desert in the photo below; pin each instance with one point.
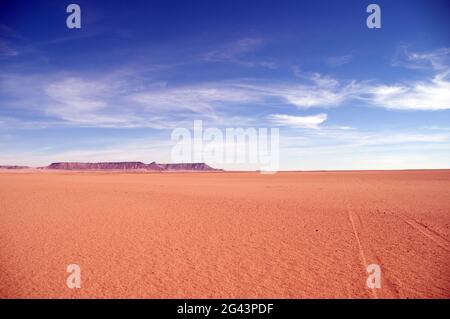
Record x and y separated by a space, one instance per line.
224 234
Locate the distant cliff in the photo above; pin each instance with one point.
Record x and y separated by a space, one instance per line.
131 166
13 167
98 166
188 167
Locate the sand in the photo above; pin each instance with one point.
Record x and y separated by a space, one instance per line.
225 235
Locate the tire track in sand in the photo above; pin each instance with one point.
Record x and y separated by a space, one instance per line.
429 233
357 238
423 229
434 236
369 256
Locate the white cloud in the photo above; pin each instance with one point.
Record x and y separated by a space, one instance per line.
84 102
78 94
200 99
311 121
315 90
428 96
127 99
437 60
114 101
307 97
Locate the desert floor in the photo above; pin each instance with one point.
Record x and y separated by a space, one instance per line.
230 235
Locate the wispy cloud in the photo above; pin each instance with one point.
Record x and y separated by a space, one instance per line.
7 36
311 121
236 49
327 139
236 53
438 59
130 99
428 95
6 50
199 99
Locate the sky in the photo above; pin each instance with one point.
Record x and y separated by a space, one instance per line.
343 96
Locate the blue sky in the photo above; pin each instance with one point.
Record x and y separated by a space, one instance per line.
343 96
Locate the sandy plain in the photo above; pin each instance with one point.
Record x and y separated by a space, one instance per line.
225 235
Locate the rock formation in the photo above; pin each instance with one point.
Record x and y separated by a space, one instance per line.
131 166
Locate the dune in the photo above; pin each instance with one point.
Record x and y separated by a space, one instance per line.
224 234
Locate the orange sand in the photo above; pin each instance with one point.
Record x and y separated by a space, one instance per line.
230 235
